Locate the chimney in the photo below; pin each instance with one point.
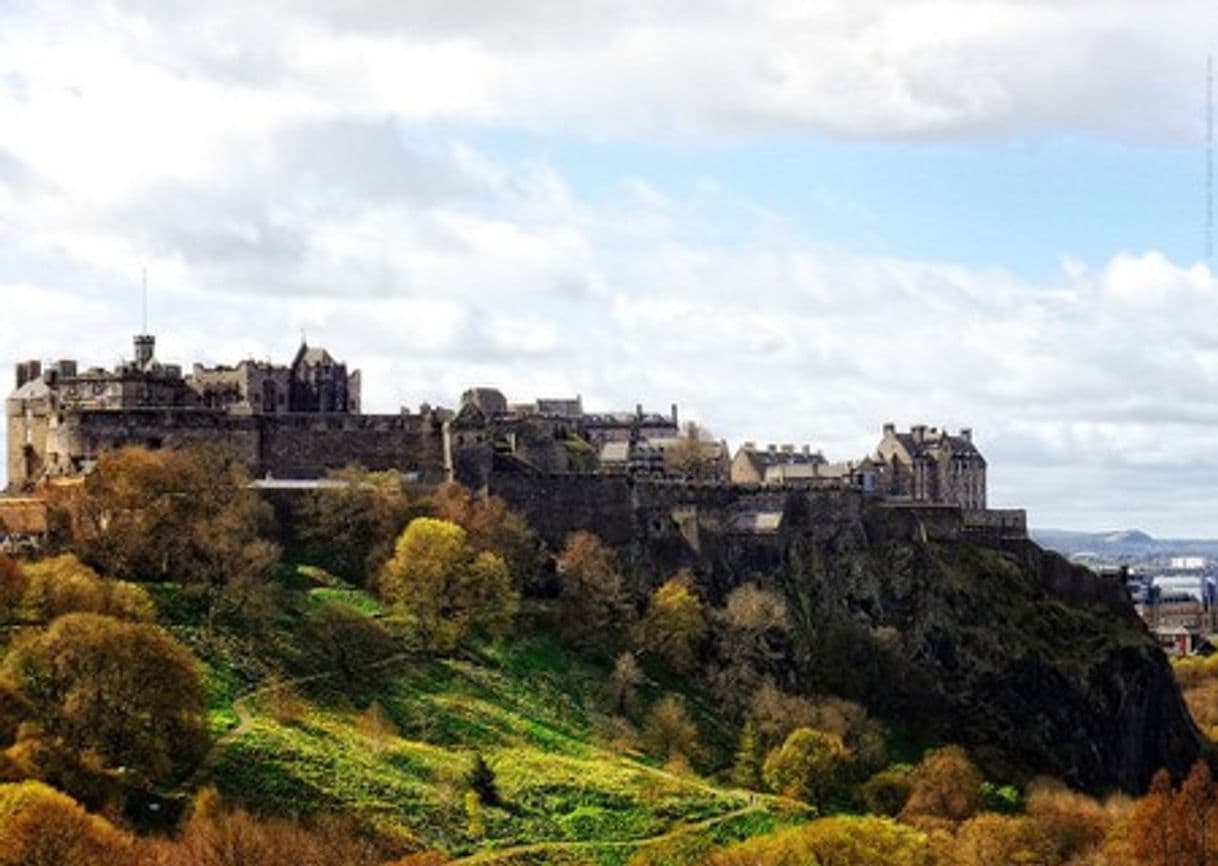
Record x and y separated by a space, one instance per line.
750 446
890 429
674 416
67 369
771 447
919 432
806 449
145 349
966 433
638 410
28 371
788 448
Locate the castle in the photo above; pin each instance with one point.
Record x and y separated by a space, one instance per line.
298 422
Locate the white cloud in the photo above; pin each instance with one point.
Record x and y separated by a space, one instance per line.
265 164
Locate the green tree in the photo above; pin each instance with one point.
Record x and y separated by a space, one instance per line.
443 588
594 610
750 756
124 691
12 587
675 624
806 766
337 638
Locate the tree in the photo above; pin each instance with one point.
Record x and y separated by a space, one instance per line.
622 683
695 454
124 691
64 584
987 839
593 608
750 757
481 781
12 587
338 638
805 767
669 732
492 527
40 826
842 840
887 792
443 589
1153 836
675 624
187 515
754 622
945 785
350 529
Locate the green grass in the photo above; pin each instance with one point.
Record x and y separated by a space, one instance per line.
528 709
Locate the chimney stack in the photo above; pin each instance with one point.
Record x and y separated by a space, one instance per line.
966 433
890 429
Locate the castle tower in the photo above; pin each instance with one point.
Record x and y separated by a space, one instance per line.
145 350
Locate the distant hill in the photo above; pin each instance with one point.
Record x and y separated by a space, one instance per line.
1121 543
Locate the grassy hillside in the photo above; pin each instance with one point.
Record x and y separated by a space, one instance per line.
396 752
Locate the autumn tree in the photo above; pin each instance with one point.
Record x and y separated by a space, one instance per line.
806 766
338 638
987 839
187 515
944 785
695 454
669 732
776 714
751 630
40 826
623 682
593 606
63 584
492 527
126 692
842 840
12 587
350 525
443 588
675 624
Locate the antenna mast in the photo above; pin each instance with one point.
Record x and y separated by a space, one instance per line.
145 319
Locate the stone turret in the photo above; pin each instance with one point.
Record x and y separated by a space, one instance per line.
145 350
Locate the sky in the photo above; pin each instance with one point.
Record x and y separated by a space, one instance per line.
797 220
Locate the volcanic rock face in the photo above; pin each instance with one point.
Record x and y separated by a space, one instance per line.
1038 666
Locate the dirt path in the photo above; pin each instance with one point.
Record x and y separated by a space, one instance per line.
554 847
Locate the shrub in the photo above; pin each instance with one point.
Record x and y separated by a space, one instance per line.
668 732
39 826
806 766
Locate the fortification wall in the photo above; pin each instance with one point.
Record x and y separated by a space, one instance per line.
557 505
307 446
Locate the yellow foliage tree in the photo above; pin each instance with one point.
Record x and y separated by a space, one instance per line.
675 624
444 589
840 841
806 766
64 584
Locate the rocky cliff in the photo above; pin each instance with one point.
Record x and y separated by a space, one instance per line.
1038 666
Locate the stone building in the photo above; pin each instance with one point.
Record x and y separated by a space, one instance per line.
750 464
930 465
297 421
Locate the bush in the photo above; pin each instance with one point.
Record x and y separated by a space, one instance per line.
64 584
806 766
945 785
39 826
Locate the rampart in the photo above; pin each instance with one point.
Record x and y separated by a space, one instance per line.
281 446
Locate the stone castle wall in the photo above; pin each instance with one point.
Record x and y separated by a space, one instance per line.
282 446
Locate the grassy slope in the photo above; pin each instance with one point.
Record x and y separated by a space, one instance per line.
571 793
